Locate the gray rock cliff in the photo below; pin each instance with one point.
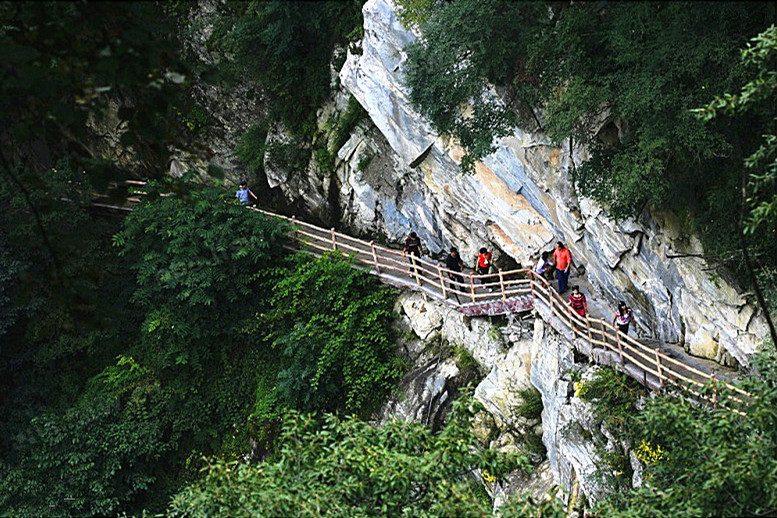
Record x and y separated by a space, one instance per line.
521 199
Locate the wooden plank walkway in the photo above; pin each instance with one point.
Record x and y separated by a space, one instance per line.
518 291
511 292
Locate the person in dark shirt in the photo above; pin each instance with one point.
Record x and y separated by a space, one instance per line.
412 247
454 263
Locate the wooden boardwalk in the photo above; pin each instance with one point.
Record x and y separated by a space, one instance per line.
519 291
512 291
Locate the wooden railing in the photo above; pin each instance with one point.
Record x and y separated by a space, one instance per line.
654 368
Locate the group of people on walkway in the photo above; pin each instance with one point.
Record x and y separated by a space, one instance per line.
559 265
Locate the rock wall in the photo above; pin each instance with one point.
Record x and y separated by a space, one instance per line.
396 174
513 357
521 199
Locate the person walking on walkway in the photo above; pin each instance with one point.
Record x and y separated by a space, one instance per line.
454 263
623 317
412 247
563 260
244 192
578 302
483 264
544 267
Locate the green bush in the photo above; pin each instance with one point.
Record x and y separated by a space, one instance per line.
325 160
364 162
251 147
703 461
335 467
351 116
613 396
469 368
331 324
530 406
286 48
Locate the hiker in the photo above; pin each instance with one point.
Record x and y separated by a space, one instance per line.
483 264
243 193
578 302
454 263
544 267
623 317
412 247
562 260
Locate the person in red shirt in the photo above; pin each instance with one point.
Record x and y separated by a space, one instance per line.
578 302
483 264
563 260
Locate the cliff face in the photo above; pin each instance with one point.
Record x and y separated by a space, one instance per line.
512 357
521 199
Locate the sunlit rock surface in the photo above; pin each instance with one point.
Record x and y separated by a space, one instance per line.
521 354
520 199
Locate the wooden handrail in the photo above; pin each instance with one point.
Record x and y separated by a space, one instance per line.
431 276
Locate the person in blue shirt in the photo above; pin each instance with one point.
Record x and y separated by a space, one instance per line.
243 193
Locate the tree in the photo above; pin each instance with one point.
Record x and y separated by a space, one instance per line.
465 45
759 191
702 461
286 48
349 468
332 324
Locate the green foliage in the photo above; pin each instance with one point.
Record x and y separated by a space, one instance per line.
713 462
251 147
331 323
351 116
469 368
92 460
292 155
414 12
364 162
286 47
758 96
614 398
325 160
348 468
63 64
465 44
530 406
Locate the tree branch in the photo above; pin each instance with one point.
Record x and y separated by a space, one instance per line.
749 264
38 220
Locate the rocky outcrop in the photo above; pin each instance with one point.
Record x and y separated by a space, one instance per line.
521 199
515 356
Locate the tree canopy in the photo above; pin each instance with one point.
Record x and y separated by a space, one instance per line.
622 79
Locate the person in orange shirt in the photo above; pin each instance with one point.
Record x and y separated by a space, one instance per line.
563 260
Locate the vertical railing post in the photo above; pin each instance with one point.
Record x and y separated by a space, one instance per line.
531 286
415 269
294 227
375 257
618 338
588 330
714 389
658 368
442 282
502 284
334 239
472 285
